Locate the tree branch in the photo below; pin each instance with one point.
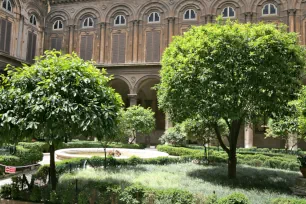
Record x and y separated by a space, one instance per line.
220 138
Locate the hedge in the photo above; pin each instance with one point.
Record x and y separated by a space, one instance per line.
22 157
257 160
288 201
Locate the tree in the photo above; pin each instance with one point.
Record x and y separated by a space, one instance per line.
202 131
230 71
137 119
56 96
174 136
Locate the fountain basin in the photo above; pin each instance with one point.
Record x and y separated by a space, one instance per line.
124 153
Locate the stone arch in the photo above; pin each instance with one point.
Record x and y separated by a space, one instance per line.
280 4
142 80
119 8
154 5
33 9
240 4
86 11
123 87
183 5
62 14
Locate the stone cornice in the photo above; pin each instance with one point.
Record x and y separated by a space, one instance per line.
52 2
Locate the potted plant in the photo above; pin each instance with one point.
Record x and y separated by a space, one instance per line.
302 160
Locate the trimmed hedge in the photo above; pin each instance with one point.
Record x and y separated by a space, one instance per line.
288 201
22 157
257 160
235 198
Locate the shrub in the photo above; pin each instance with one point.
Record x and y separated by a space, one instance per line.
235 198
174 137
40 146
288 201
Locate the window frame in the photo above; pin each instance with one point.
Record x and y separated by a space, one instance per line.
154 19
58 29
228 12
8 2
269 10
190 19
88 26
35 20
120 24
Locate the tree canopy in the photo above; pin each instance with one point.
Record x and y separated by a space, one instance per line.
231 71
58 96
137 119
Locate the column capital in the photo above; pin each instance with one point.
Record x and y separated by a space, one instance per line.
102 24
132 96
171 19
248 14
291 12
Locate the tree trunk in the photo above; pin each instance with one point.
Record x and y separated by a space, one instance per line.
232 163
104 157
52 167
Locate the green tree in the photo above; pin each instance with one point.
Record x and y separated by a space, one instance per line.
202 130
57 96
230 71
174 136
137 119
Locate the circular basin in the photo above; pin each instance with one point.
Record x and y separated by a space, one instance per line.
118 153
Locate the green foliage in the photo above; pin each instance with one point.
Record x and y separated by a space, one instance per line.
235 198
57 97
213 72
137 119
40 146
257 160
173 136
288 201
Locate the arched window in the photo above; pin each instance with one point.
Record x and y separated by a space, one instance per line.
269 9
33 20
88 22
7 5
58 25
154 17
120 20
190 14
228 12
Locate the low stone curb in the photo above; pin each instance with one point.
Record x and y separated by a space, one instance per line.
19 172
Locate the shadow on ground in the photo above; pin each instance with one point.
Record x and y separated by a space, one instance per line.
249 178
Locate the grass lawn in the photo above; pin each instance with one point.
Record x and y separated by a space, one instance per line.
260 185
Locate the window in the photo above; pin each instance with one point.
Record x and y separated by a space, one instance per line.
120 20
190 14
56 43
88 23
228 12
86 48
7 5
269 9
58 25
31 49
33 20
118 48
154 18
153 46
5 35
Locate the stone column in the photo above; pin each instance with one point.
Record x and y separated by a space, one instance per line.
71 35
208 18
135 40
20 36
292 142
248 135
291 14
248 17
170 25
102 42
133 99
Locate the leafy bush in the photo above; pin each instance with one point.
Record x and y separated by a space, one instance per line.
40 146
235 198
258 160
174 137
288 201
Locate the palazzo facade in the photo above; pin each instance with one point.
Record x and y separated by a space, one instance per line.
128 37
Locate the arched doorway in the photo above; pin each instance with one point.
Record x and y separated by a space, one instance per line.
147 97
122 88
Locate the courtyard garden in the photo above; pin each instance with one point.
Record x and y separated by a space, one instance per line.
214 80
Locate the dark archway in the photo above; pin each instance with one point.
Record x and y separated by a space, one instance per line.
123 89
